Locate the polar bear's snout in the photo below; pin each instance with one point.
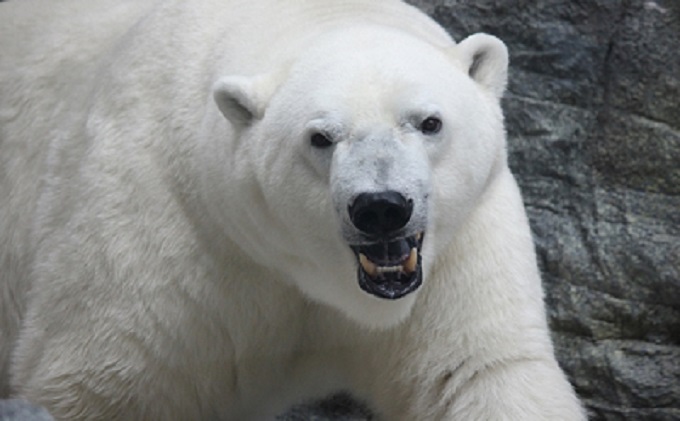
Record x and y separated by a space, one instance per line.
380 185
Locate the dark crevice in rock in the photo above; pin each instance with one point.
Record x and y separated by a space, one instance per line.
591 231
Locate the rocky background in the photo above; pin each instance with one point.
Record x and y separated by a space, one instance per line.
593 119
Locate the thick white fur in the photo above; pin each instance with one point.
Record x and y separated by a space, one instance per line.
171 247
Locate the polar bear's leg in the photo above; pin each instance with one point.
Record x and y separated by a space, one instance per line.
532 390
516 390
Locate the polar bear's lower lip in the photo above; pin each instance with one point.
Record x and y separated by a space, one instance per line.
390 270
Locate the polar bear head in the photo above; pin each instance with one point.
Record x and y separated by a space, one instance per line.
349 170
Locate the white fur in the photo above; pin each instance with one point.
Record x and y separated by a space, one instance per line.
172 247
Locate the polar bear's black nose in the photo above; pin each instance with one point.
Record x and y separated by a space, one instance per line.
380 213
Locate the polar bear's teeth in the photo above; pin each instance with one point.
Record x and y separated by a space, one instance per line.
369 267
411 263
390 269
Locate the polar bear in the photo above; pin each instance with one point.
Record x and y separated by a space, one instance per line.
214 209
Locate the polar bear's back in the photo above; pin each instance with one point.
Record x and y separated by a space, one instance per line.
49 54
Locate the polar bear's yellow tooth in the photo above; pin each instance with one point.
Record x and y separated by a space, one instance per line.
369 267
412 262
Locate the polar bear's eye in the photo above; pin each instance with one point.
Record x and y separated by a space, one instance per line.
319 140
430 125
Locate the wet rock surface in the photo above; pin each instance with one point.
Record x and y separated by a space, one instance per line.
20 410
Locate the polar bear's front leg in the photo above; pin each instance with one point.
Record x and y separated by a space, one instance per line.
425 385
430 380
515 390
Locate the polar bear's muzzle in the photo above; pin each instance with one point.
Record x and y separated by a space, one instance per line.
390 265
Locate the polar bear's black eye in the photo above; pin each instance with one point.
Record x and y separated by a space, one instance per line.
319 140
430 125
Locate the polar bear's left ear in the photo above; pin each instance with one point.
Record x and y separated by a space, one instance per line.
485 58
243 99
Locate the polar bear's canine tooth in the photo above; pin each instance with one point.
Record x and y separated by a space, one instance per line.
411 264
369 267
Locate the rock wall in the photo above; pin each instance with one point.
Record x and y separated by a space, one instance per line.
593 119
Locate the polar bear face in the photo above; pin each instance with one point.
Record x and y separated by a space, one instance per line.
354 165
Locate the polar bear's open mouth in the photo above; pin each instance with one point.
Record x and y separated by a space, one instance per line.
390 269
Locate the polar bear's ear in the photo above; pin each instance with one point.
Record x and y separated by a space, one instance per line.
243 99
485 58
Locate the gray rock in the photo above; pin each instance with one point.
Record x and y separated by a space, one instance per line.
19 410
341 407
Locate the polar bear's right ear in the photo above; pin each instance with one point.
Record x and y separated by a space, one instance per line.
242 99
485 58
